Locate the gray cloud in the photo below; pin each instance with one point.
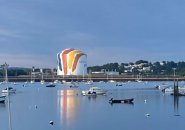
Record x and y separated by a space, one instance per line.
108 31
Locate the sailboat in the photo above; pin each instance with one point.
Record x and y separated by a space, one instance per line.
7 89
89 81
63 79
139 78
32 80
5 66
42 79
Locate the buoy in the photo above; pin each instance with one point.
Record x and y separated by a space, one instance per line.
35 106
145 100
51 123
147 115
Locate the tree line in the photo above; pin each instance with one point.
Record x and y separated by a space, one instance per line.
156 68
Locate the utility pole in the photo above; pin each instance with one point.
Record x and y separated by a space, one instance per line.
174 72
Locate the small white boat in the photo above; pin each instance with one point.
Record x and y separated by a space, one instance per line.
32 81
90 82
9 90
56 82
42 82
15 83
139 81
101 82
94 91
111 81
168 90
163 86
171 90
64 81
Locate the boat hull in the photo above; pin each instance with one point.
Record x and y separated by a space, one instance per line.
94 91
2 99
129 101
8 91
51 85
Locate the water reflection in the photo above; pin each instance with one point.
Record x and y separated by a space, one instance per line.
93 97
68 104
2 105
176 105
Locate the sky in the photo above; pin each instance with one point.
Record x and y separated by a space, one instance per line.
32 32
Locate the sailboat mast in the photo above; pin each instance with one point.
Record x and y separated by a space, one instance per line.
6 72
9 114
8 98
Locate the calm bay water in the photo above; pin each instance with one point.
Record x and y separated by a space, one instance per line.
33 106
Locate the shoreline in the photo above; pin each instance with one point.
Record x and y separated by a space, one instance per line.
104 78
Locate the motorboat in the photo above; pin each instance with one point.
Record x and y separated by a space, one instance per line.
56 82
111 81
94 91
89 94
90 82
2 99
9 90
129 101
170 90
119 84
64 81
163 86
139 80
51 85
73 85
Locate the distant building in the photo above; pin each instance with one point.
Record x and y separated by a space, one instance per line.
104 72
112 73
147 69
71 62
162 63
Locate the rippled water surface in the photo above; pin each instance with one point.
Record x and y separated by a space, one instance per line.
32 108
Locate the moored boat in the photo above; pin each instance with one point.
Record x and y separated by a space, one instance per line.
163 86
50 85
129 100
42 82
94 91
2 99
170 90
9 90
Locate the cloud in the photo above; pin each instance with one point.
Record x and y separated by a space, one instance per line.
78 39
28 60
103 55
107 31
7 33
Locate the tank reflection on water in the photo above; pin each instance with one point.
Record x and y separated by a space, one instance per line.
68 104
